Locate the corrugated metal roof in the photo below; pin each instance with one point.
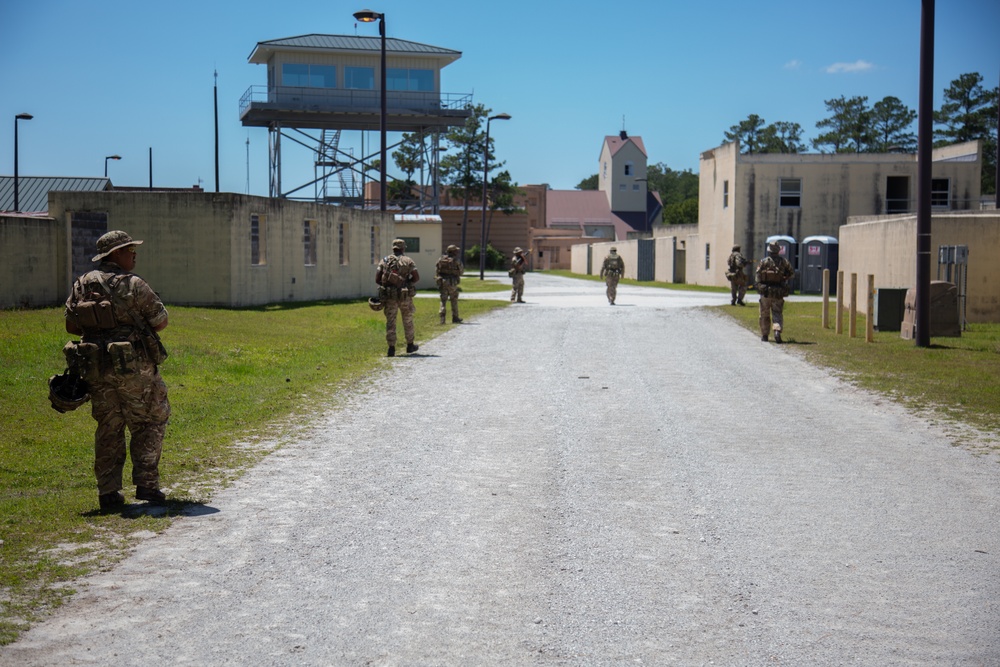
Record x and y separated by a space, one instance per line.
34 190
349 43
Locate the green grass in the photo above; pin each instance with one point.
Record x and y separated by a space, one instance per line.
956 379
237 379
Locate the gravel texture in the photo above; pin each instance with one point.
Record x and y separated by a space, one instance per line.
570 483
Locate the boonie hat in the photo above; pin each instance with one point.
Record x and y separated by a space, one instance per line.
452 248
614 249
399 243
517 251
735 248
112 241
774 248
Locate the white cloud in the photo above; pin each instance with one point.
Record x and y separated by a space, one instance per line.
793 64
856 66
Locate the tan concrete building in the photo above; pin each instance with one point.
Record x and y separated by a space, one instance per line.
744 199
207 249
886 248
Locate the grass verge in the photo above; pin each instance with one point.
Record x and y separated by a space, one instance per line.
956 379
238 381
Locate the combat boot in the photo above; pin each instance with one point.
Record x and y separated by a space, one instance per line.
456 320
152 495
111 500
442 318
411 348
777 337
392 351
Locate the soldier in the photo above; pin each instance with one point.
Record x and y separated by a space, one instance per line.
774 274
518 266
447 276
396 276
118 316
737 277
611 271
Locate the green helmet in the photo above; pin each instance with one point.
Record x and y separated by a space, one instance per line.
375 304
67 392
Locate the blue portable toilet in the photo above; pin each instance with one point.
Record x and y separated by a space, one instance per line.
789 250
818 253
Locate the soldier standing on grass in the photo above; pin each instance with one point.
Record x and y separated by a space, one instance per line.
518 265
737 277
448 276
396 276
774 274
118 315
611 271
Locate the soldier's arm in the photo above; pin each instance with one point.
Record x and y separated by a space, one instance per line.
414 276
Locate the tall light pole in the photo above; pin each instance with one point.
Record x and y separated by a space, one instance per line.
486 171
110 157
368 16
20 116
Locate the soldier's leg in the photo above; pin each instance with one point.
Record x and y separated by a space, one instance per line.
741 293
109 438
454 304
147 411
444 302
406 308
777 316
390 310
765 317
733 289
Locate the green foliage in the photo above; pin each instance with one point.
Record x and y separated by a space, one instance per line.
969 112
848 129
755 137
674 187
589 183
495 260
891 121
409 156
681 213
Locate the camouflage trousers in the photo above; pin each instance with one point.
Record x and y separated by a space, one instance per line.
771 309
612 284
517 291
139 402
449 292
738 286
401 306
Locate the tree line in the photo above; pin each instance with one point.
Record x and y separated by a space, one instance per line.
968 112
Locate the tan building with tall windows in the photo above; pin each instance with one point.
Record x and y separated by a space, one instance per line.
744 199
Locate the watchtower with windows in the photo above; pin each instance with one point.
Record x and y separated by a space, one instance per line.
321 85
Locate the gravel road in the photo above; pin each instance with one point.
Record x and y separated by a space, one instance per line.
570 483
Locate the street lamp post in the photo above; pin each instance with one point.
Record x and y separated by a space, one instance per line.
110 157
17 188
486 171
368 16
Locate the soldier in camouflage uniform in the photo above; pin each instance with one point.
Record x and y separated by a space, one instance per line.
518 265
612 270
774 274
447 276
396 276
737 277
118 315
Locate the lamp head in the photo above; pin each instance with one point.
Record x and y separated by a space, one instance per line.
367 16
500 116
24 116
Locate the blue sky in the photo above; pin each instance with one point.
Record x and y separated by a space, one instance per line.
113 77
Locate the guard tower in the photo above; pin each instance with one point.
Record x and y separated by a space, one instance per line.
321 85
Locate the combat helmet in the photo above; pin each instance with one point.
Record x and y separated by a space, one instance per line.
375 304
67 392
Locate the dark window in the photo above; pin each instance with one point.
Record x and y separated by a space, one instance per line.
790 194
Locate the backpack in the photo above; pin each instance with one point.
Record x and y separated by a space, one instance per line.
93 309
390 274
447 266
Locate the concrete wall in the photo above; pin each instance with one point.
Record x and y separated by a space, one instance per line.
30 258
430 252
197 248
627 250
579 254
833 188
886 247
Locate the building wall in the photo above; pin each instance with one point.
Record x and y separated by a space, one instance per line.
580 255
197 248
612 182
30 257
504 232
431 248
627 250
886 247
833 188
